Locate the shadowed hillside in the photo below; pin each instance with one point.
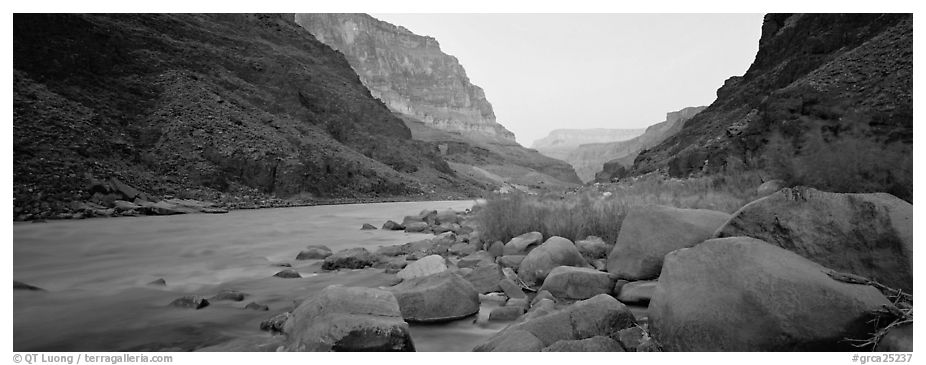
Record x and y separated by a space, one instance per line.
201 106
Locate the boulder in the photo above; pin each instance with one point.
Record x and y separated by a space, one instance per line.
445 227
518 302
556 251
512 261
435 298
352 258
497 249
190 301
229 294
511 289
257 306
425 266
428 216
863 234
514 341
288 274
577 282
392 226
631 338
523 244
476 259
591 344
367 227
637 292
411 219
600 315
348 319
897 339
314 252
416 227
447 216
462 249
743 294
276 323
485 278
541 295
506 313
593 248
648 233
769 187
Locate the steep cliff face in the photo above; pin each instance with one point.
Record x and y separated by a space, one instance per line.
827 94
589 159
409 73
429 90
201 106
561 142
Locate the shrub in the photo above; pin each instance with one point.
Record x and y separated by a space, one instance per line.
600 211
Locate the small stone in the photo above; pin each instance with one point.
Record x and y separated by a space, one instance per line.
275 324
393 226
18 285
158 282
257 306
288 274
229 294
367 227
493 298
190 301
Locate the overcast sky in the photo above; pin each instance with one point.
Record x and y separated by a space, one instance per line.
549 71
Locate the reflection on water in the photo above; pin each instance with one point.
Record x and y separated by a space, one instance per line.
95 273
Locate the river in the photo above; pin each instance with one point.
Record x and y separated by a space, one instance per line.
95 273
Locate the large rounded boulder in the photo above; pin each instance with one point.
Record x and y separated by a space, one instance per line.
556 251
648 233
743 294
435 298
428 265
601 315
863 234
352 258
348 319
577 282
523 244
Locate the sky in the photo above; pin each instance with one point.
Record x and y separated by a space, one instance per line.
568 71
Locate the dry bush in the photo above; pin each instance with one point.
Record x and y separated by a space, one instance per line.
600 211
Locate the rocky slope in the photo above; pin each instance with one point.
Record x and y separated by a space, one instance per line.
218 107
605 160
408 72
827 102
561 142
429 90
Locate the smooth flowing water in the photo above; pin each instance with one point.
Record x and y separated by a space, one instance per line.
95 274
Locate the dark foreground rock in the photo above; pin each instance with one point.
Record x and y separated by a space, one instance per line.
436 298
864 234
352 258
577 282
742 294
556 251
348 319
648 233
601 315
